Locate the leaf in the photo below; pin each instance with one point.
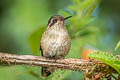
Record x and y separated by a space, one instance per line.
91 7
86 4
34 40
108 59
86 20
117 46
87 31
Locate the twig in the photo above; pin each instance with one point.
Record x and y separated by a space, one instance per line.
70 64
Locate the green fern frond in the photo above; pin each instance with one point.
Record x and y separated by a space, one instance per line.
108 59
81 11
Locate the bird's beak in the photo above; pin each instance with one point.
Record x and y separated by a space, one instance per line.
67 17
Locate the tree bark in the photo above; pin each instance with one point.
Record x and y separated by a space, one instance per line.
69 63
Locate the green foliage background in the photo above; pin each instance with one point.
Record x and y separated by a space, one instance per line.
94 25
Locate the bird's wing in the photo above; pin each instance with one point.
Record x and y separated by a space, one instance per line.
41 50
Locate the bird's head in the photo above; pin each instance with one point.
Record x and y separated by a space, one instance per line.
57 20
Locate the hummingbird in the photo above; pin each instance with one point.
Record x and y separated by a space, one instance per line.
55 41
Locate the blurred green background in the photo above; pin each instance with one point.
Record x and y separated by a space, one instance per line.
94 25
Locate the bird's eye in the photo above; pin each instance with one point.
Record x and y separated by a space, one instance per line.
54 21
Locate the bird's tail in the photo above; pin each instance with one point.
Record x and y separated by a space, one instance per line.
46 71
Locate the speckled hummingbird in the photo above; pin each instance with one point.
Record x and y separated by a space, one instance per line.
55 42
